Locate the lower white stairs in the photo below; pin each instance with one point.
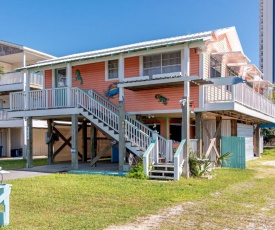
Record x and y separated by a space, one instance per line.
162 171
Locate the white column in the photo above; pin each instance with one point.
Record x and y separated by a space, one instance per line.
202 64
69 82
9 142
53 79
44 79
121 76
186 61
121 68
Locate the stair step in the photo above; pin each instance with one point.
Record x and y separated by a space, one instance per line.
161 171
162 177
167 165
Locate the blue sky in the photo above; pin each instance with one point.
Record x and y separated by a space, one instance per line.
62 27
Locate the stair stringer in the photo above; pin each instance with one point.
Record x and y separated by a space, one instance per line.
111 133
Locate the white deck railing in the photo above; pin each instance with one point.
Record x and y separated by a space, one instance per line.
4 115
36 79
135 131
241 93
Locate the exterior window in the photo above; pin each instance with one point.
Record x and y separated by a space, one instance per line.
161 63
61 78
215 68
175 132
230 72
112 69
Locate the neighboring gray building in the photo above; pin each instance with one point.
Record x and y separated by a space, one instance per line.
266 39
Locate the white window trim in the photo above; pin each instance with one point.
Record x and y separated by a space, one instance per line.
161 60
107 70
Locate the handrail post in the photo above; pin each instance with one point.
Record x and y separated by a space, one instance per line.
156 149
233 93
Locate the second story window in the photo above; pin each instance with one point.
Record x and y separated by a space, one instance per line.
161 63
230 72
215 68
113 69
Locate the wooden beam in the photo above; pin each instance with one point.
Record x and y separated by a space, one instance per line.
218 133
84 141
234 128
29 143
93 143
101 154
198 132
74 149
50 141
66 142
257 140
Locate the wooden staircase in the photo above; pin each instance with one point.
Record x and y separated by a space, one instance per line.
138 137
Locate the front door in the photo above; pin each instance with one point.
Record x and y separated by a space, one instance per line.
60 91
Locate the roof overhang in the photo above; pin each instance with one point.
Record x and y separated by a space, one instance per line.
261 84
243 68
12 53
197 37
167 82
231 57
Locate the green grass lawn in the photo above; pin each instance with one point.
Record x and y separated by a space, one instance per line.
65 201
20 163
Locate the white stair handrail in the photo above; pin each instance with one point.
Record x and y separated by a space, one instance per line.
179 160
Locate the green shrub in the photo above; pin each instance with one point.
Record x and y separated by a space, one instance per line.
137 172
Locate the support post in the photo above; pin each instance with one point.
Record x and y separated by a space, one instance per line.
198 132
121 130
93 143
50 141
29 143
257 140
9 142
121 119
69 83
185 128
84 140
233 128
218 133
74 149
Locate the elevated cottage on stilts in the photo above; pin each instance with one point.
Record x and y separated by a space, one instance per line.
152 100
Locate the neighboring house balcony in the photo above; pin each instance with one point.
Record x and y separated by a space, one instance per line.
8 122
14 81
235 100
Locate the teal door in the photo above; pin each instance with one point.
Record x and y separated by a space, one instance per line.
60 93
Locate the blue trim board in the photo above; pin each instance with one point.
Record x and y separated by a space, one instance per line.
267 126
98 172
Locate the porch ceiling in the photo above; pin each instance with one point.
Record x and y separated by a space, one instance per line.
231 114
167 82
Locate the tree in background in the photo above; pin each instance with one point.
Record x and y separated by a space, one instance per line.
269 136
1 70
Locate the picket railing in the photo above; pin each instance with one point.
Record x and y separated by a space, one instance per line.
108 113
241 93
18 77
